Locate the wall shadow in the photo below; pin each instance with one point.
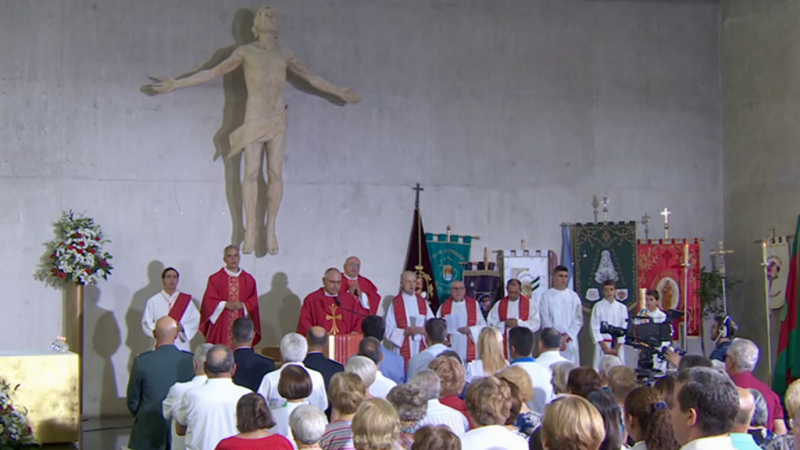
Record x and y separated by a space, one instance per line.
106 340
280 311
136 340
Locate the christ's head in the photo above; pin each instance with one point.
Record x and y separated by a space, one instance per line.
352 267
265 21
332 281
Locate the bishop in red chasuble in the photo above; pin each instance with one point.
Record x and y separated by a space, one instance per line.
338 312
231 293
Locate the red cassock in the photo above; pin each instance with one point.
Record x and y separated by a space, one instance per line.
320 310
366 287
225 288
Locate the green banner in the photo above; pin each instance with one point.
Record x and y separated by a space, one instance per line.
605 251
447 256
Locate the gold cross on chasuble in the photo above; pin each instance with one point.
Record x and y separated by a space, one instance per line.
332 317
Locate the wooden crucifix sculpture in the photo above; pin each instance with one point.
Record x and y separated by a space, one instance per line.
265 66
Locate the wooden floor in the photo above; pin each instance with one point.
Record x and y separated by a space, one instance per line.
100 434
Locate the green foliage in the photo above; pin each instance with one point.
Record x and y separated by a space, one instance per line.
711 291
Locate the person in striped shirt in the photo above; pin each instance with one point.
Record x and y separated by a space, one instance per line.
347 392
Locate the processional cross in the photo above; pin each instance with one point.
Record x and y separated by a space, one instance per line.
646 223
720 255
666 212
419 189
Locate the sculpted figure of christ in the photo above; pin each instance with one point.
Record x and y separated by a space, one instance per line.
265 67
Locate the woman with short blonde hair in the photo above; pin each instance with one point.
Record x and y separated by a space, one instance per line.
346 393
490 355
526 421
572 423
376 426
451 379
489 403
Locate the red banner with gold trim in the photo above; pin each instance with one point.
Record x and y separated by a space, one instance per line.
661 267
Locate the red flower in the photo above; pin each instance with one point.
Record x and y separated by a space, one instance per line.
80 251
53 256
92 251
71 247
54 271
104 263
62 275
89 271
78 235
97 238
82 244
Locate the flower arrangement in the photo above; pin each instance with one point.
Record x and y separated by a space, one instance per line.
76 254
14 429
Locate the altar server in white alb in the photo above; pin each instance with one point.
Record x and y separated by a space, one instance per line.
514 310
406 317
464 321
656 315
562 310
173 303
614 313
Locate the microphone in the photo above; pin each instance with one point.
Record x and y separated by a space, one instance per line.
336 299
339 304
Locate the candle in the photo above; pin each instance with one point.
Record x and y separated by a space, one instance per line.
642 299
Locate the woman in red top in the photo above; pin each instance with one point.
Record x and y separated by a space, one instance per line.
252 419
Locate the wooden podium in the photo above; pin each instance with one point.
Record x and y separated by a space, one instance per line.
343 346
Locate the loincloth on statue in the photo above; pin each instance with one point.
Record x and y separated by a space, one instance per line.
256 130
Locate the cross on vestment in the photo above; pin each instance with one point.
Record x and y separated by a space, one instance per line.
666 212
333 317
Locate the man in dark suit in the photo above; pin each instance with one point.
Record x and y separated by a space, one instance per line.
250 366
317 338
152 375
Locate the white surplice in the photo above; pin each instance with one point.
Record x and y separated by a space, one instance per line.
396 335
563 311
159 306
532 321
458 341
615 313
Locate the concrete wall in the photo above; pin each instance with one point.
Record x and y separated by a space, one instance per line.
760 69
511 114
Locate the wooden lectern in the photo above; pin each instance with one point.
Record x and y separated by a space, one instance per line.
343 346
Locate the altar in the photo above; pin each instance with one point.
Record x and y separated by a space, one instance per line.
48 388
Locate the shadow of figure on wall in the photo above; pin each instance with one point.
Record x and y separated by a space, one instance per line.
106 341
280 311
136 340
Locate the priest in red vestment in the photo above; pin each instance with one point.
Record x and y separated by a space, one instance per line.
359 286
330 308
230 294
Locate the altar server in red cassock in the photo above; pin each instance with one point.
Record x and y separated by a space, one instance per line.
231 293
173 303
359 286
405 319
464 321
320 308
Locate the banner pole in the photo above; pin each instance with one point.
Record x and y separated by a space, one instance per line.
685 343
767 309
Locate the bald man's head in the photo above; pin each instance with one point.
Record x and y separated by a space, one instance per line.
747 406
166 331
332 281
317 338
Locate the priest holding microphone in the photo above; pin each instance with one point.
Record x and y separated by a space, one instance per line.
330 308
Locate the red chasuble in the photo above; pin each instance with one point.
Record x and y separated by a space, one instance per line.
366 287
320 310
223 288
472 320
401 318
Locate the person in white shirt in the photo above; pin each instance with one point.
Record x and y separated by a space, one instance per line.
489 405
173 303
171 404
614 313
706 404
656 315
406 317
521 347
293 351
207 413
436 334
438 414
464 321
295 386
514 310
371 348
562 309
364 368
549 345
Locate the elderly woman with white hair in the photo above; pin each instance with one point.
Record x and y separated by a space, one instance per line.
740 362
365 368
308 425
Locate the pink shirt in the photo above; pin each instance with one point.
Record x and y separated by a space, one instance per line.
746 380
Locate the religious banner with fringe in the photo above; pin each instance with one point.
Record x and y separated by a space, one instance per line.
483 282
662 267
604 251
418 260
448 252
532 270
777 270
